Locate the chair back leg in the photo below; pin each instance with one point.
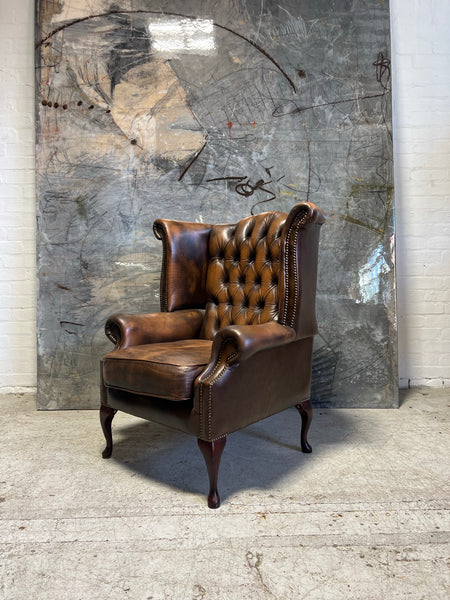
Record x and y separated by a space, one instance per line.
306 412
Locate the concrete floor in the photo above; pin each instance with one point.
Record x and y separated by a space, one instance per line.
363 517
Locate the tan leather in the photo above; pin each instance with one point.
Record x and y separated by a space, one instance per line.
126 330
249 354
165 370
243 272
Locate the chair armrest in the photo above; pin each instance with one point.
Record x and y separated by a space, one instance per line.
235 344
126 330
246 340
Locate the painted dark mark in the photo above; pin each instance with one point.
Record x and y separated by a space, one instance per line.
65 106
300 109
227 179
63 287
196 155
301 73
260 49
169 14
246 189
383 71
64 323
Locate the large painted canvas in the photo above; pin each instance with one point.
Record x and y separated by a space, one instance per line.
208 110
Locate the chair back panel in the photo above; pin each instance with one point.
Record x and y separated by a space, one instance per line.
242 281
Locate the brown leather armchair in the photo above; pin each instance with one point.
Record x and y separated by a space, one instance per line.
233 342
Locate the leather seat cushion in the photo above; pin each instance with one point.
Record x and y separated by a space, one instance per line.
166 370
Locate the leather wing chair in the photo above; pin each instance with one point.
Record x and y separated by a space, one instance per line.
233 342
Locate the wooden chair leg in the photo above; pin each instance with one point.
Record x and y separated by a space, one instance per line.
106 416
212 453
306 413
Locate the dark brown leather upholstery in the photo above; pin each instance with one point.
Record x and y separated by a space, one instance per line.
185 260
233 343
166 370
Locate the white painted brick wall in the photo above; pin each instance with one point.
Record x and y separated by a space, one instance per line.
421 99
421 78
17 197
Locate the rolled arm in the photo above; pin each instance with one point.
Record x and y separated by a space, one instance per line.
235 344
246 340
126 330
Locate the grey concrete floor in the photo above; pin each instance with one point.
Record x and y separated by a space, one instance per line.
363 517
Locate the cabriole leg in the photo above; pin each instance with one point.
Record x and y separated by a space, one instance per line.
306 412
212 453
106 416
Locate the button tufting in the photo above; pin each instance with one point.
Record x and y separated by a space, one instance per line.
242 277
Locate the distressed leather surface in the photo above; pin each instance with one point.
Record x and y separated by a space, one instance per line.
243 272
126 330
250 339
235 394
166 370
185 260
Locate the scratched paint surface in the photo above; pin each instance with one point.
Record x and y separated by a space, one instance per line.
208 111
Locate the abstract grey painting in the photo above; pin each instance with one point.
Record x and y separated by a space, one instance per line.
207 111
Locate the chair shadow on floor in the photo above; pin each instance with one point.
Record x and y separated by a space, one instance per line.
257 457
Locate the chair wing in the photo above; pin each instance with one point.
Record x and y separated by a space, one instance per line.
184 263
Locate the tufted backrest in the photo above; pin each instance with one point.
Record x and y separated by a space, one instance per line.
242 280
262 269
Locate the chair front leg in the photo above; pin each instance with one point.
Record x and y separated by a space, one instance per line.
212 453
306 413
106 416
